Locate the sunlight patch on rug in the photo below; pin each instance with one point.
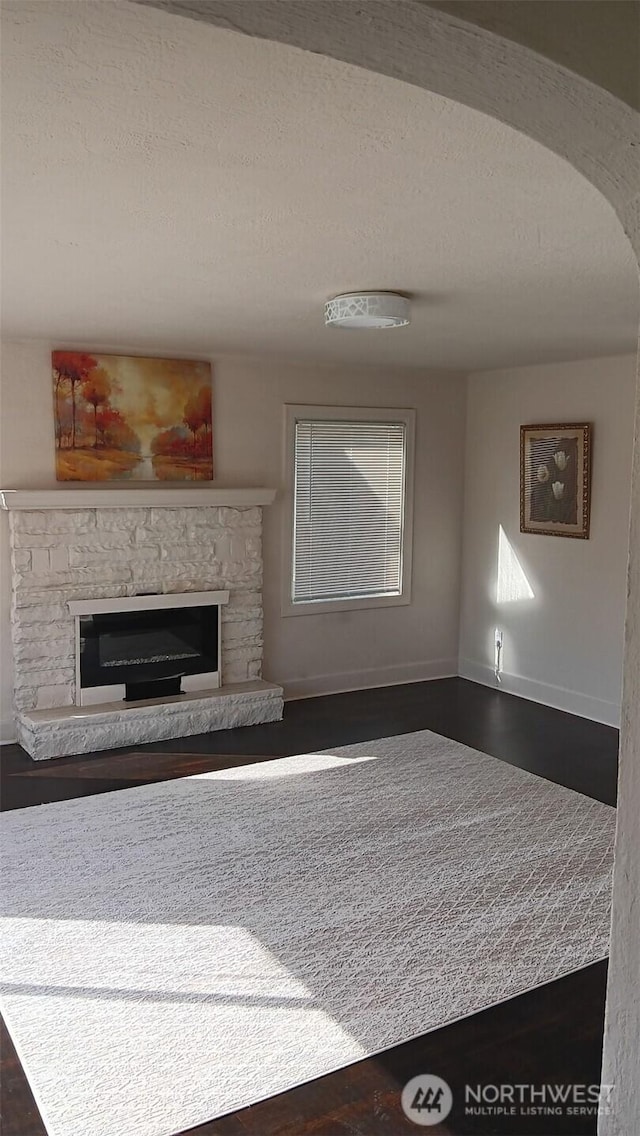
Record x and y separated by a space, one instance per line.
286 767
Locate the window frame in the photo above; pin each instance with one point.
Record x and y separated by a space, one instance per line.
299 412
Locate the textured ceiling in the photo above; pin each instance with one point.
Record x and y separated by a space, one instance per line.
171 186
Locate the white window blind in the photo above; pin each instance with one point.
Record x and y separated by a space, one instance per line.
348 509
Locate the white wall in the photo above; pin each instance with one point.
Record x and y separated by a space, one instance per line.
309 654
563 645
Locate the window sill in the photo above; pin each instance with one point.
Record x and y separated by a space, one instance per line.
326 607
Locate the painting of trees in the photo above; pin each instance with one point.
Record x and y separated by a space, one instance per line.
204 406
187 447
96 390
71 367
193 420
197 414
173 442
122 416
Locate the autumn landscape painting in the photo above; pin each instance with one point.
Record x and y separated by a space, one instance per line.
122 417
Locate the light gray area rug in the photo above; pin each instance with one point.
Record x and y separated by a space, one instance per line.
178 951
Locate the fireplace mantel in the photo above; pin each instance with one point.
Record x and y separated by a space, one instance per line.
97 498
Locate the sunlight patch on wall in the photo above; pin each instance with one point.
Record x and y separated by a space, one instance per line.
512 583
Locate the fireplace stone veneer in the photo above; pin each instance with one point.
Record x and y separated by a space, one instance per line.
60 555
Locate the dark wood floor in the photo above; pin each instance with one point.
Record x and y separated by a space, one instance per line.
549 1035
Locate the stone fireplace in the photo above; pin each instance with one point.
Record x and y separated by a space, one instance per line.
86 552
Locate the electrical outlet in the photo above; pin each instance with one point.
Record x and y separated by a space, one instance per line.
497 653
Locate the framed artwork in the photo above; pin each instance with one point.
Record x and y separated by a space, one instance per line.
122 417
555 470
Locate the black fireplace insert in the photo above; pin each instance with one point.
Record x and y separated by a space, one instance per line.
148 651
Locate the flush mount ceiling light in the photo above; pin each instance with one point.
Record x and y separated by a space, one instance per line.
367 310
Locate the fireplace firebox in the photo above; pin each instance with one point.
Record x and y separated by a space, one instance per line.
147 646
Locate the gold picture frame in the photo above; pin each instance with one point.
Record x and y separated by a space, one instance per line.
555 479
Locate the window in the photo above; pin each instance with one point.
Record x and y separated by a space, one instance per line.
349 540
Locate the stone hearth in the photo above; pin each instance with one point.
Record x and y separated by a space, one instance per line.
104 547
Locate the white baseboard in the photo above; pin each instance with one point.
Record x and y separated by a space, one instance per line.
584 705
364 680
598 709
7 731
